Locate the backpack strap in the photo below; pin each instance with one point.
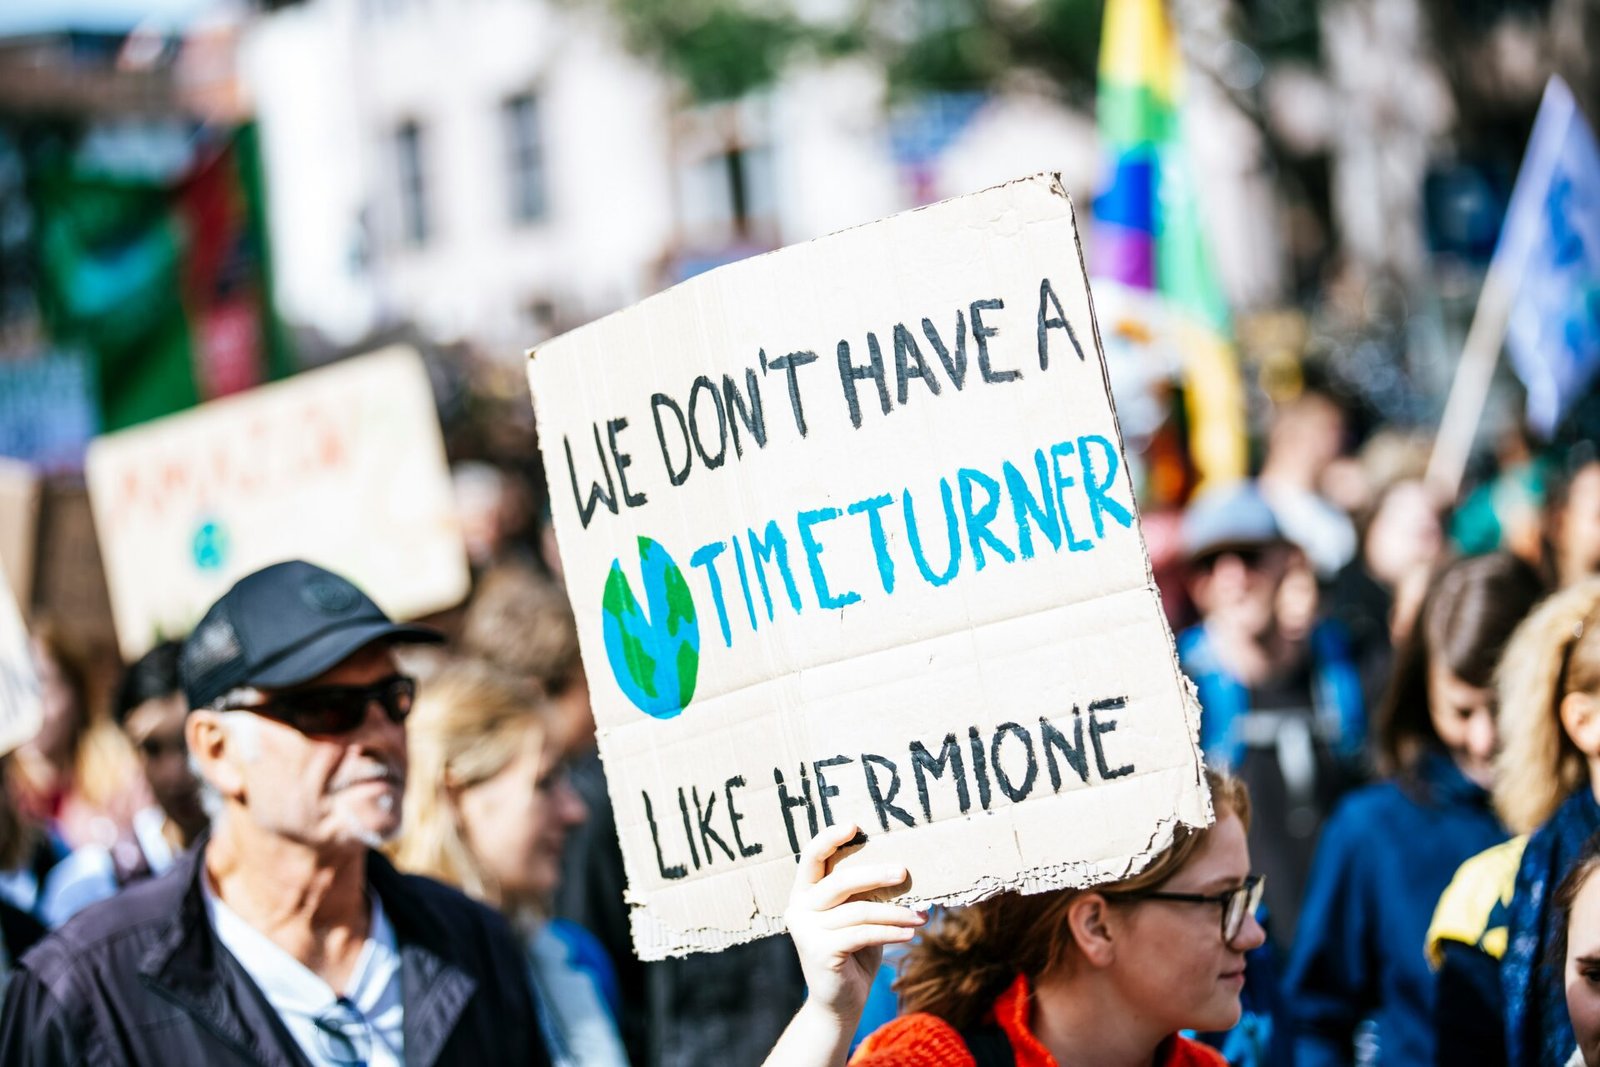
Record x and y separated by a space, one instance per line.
989 1045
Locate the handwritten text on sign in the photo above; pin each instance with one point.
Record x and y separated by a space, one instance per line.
850 536
343 466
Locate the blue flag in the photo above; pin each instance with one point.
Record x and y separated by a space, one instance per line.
1551 245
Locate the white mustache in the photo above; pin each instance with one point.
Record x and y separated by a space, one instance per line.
368 770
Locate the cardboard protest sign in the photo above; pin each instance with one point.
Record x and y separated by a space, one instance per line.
849 536
342 466
20 707
19 527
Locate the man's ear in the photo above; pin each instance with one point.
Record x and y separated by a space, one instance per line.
1580 718
215 752
1092 924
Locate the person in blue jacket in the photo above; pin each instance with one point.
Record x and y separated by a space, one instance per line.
1358 973
1280 695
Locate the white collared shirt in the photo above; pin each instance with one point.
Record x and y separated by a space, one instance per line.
89 875
363 1027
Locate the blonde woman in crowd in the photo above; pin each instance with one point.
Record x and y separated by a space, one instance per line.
487 808
1496 923
1106 976
725 1007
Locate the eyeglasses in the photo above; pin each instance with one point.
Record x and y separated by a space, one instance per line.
336 709
1236 903
1250 557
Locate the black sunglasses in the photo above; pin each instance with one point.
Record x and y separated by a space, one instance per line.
337 709
1250 556
1236 904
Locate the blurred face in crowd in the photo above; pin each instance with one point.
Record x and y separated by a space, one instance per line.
516 822
480 492
1577 533
1405 534
1298 597
1239 588
156 730
331 790
1307 435
1463 717
1168 959
61 714
1582 975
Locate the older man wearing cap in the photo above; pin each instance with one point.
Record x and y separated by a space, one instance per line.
284 939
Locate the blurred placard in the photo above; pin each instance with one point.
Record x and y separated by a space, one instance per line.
850 536
342 466
19 527
20 706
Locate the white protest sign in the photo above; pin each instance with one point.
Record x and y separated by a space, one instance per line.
849 537
342 466
20 707
19 527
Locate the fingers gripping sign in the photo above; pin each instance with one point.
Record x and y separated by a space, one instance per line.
839 931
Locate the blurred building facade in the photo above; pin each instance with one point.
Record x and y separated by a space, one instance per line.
497 171
480 169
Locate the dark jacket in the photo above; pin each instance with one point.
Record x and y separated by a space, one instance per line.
1385 857
19 931
726 1008
142 979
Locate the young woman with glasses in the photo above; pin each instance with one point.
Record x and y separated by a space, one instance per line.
1360 963
1577 952
487 808
1098 977
1496 922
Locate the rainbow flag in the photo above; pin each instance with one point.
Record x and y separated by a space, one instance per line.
1147 234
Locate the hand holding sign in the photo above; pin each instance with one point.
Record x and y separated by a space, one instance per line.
839 930
850 538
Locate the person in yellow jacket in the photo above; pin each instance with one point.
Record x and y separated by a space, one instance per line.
1495 923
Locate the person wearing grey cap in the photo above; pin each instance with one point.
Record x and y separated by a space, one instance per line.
284 938
1280 695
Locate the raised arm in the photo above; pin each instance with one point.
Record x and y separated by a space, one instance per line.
840 939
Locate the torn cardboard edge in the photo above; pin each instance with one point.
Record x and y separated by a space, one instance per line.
655 939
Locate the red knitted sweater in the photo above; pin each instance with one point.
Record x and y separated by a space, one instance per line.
923 1040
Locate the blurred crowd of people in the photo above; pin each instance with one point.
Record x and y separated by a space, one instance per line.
1392 686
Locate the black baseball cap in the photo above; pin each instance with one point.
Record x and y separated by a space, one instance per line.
282 626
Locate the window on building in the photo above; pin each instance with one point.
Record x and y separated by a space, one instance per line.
414 221
729 195
524 157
